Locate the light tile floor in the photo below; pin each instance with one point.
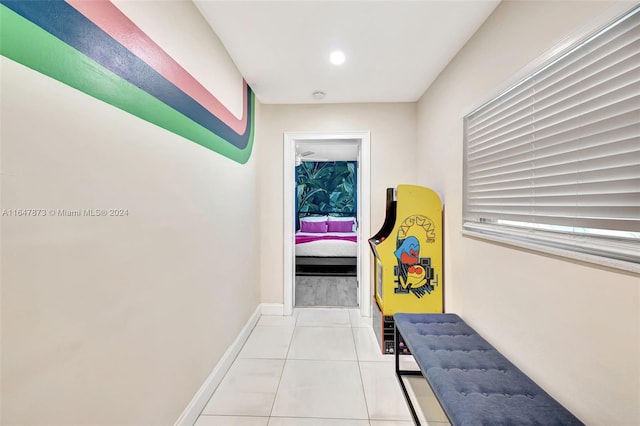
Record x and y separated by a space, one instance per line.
319 367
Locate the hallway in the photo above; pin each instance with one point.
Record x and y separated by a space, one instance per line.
319 367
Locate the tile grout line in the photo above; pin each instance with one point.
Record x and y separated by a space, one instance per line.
350 325
297 327
364 393
284 365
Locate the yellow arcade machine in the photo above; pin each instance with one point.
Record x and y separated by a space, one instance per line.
408 259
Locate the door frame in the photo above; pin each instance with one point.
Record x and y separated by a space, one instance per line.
363 138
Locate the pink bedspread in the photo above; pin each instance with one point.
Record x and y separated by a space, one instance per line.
306 238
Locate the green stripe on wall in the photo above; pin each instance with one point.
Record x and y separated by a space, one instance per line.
29 45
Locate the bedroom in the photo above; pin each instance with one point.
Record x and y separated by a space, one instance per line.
326 210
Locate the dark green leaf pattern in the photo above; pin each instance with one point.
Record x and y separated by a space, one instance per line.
326 187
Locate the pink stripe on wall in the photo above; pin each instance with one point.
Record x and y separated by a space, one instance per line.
111 20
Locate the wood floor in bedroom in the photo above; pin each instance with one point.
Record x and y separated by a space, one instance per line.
326 291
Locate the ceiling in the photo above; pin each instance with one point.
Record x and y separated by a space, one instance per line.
394 48
327 150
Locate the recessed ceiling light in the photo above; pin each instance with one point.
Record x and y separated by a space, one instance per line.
337 57
318 94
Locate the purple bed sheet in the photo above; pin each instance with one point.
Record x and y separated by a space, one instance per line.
307 238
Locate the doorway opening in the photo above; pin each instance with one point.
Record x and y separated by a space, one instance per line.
319 154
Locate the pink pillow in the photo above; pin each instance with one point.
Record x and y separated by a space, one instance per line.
315 227
340 226
341 218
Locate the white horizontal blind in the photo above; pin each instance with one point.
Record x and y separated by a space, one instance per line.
556 158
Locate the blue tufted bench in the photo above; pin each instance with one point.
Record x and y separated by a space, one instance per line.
474 383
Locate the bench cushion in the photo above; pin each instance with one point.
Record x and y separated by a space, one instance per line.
475 384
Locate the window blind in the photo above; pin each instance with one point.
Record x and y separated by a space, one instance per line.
555 159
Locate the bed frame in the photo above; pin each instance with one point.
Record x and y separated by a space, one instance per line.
342 266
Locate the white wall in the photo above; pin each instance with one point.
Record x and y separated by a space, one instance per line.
575 328
118 320
393 161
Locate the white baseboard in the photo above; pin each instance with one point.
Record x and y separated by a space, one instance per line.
272 309
199 401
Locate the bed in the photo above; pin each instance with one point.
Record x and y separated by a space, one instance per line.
326 245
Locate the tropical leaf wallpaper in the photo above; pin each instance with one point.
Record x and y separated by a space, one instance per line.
326 187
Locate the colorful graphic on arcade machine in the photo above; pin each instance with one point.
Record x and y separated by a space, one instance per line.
414 273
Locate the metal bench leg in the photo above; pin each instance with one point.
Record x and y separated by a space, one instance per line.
400 373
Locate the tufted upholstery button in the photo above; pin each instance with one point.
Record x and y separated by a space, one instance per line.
485 394
463 393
